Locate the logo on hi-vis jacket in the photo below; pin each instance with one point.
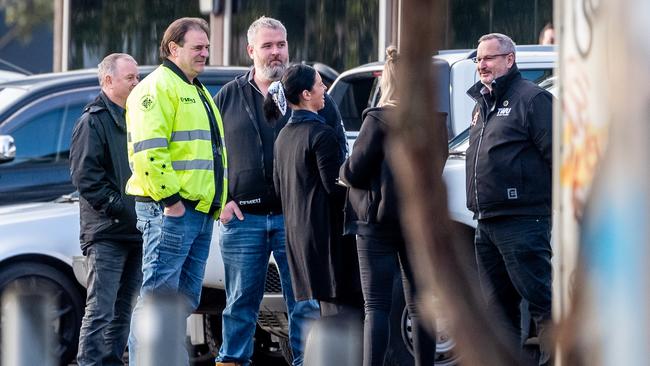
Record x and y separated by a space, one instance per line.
147 102
186 100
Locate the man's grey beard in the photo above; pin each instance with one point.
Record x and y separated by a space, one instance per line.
274 73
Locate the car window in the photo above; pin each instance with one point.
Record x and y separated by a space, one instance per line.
51 119
536 75
353 96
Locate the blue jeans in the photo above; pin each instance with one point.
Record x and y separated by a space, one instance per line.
174 258
379 260
245 247
114 278
514 259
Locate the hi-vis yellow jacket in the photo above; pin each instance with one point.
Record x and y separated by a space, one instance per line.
170 143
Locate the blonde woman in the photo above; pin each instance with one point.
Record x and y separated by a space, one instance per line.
372 214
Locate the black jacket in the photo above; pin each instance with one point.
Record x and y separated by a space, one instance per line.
99 168
372 207
510 155
323 263
250 169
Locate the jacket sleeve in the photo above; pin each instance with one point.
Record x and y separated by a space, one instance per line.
87 169
150 120
540 124
327 159
366 158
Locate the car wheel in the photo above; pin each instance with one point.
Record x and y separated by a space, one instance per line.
204 354
400 350
67 299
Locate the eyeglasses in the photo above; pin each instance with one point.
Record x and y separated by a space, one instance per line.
476 60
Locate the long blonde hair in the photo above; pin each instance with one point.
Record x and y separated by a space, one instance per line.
389 78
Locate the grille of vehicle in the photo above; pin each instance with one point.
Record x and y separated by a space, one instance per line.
272 284
275 323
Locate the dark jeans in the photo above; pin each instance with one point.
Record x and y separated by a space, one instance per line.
114 278
514 260
379 259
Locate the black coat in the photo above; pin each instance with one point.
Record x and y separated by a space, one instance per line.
99 169
509 157
322 262
372 207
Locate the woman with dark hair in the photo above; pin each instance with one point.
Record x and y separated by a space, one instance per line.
323 263
372 213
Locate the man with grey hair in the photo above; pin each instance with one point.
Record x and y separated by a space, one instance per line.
252 224
509 190
109 239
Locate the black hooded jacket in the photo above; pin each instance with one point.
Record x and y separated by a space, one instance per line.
509 157
99 168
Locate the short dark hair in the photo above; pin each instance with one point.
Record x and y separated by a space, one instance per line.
296 79
177 30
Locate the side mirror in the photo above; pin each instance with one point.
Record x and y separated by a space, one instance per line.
7 148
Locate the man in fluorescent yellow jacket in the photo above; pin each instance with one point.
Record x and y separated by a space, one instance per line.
178 160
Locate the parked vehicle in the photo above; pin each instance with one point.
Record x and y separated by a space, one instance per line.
358 88
37 114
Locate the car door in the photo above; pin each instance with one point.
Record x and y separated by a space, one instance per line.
42 132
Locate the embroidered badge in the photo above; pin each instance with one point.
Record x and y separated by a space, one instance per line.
503 112
147 102
505 103
512 193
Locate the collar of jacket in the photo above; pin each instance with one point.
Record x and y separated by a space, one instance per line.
303 115
118 113
499 86
177 70
242 80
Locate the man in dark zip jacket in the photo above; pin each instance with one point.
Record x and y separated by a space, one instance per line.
109 237
509 189
252 224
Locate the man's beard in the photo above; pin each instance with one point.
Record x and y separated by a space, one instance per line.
274 73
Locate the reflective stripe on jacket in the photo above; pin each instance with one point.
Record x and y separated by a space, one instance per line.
169 141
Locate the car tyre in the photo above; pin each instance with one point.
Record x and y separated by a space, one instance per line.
67 298
204 354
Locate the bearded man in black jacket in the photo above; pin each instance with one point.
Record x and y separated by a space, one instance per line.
509 189
109 237
252 224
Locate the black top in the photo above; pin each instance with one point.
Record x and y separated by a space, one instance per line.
99 168
322 262
509 157
372 208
